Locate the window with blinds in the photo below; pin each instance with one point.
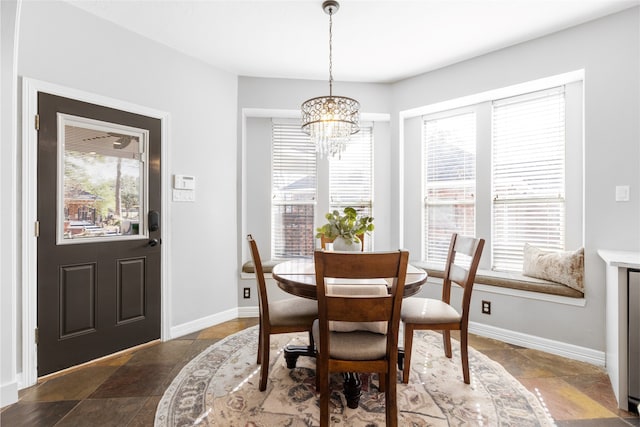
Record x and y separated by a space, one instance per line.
528 145
449 174
294 189
351 177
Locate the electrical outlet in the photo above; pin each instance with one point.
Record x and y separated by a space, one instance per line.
486 307
247 292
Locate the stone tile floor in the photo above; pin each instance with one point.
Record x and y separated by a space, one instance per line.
124 390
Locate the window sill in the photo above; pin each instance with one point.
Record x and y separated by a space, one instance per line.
513 284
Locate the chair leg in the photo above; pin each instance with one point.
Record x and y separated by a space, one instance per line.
264 366
382 382
464 345
325 394
390 398
408 345
312 344
317 374
446 337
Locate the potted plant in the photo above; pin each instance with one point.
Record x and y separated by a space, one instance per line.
346 231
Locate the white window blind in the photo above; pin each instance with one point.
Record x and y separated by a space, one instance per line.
293 192
449 173
528 175
351 177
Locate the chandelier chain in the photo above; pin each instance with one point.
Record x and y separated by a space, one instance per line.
330 53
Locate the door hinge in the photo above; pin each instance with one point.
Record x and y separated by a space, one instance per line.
37 122
37 331
37 229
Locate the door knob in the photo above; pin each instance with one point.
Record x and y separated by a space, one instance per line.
153 242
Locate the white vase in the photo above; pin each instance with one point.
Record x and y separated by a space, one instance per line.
341 244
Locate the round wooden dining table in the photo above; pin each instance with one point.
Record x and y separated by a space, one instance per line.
297 277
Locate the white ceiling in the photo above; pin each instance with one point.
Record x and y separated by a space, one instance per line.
373 41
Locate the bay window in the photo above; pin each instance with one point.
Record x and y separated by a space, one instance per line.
506 169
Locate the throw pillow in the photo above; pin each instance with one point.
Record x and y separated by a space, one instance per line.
566 267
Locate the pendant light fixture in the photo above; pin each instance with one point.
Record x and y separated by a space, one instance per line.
330 120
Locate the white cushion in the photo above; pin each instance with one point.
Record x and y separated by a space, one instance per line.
428 311
358 345
566 267
293 311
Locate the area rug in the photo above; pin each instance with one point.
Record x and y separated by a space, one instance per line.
220 388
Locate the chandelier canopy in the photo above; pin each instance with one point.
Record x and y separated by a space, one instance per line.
330 120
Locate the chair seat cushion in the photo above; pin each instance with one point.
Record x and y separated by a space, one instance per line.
357 345
293 311
427 310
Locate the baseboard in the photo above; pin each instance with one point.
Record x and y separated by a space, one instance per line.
203 323
512 337
558 348
8 393
248 311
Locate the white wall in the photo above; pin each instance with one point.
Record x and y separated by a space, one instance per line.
608 50
63 45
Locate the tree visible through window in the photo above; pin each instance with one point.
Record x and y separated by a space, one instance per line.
449 181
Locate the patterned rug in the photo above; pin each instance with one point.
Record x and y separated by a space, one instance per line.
220 388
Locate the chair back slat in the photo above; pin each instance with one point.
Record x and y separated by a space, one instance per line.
359 265
466 245
458 274
359 309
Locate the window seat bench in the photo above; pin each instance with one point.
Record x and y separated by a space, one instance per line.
508 280
485 277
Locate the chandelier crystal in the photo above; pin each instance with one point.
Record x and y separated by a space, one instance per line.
330 120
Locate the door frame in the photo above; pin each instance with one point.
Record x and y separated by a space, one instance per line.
30 89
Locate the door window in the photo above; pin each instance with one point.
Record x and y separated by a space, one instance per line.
102 181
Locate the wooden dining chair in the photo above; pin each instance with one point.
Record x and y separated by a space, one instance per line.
359 350
277 317
439 314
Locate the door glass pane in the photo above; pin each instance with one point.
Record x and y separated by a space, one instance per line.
102 176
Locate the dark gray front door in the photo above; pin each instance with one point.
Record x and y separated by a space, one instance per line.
99 204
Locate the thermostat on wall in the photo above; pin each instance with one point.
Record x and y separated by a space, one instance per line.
184 182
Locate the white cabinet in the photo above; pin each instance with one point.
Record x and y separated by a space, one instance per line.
618 264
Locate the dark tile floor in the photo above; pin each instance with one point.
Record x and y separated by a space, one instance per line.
125 390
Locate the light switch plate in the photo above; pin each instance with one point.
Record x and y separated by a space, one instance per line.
184 195
622 193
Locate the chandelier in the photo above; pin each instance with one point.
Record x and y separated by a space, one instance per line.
330 120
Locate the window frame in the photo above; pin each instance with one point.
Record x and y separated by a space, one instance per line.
574 155
322 203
